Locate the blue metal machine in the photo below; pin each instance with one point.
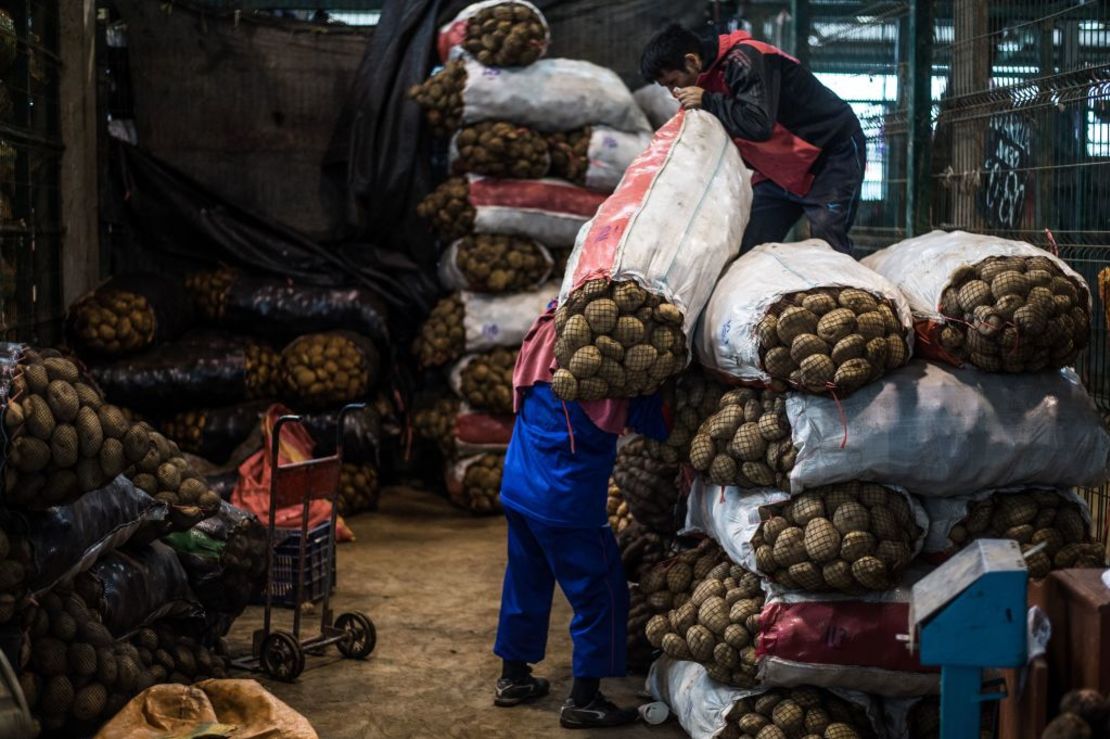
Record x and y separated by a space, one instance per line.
968 615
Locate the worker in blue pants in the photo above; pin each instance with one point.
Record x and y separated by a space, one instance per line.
554 491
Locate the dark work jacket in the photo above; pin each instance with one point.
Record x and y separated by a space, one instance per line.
776 111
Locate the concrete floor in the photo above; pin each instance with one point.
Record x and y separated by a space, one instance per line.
429 577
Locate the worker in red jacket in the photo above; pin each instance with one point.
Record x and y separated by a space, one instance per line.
803 142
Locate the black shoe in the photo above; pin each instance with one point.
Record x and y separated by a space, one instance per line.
598 713
511 692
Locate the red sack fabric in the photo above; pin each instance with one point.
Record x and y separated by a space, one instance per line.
252 492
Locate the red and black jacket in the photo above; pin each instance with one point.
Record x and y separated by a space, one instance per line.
779 115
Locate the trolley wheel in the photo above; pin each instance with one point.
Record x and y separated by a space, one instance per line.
281 656
361 637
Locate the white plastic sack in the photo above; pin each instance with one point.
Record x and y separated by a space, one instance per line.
658 104
452 278
945 513
701 704
610 154
730 516
727 340
502 320
549 211
922 267
674 222
452 33
550 95
939 431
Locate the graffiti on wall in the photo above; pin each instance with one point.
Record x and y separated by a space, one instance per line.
1006 177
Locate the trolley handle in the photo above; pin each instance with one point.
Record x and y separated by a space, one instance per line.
275 441
343 413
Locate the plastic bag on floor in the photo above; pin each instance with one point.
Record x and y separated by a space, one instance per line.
940 432
550 95
242 709
733 337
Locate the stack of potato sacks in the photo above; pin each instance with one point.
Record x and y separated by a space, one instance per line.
518 191
86 495
841 470
238 344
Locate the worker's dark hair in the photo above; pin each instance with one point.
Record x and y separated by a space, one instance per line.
666 51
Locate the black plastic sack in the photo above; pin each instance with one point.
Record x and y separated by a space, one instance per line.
140 586
201 370
362 433
225 558
172 306
65 540
282 311
224 430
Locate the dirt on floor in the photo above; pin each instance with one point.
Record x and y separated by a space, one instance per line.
429 576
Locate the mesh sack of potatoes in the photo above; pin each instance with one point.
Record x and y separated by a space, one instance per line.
496 33
203 369
436 423
805 316
717 626
1084 712
157 466
128 313
499 149
441 97
474 483
1060 520
276 310
641 549
747 442
494 263
64 440
707 708
329 368
848 537
15 560
170 653
617 508
644 266
214 433
76 675
548 211
225 559
595 157
615 339
793 713
668 584
358 489
1003 306
648 486
696 397
469 322
485 380
570 154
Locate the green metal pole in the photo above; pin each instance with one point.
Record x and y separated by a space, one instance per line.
918 111
799 12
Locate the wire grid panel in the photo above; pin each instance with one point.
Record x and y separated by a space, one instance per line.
858 50
1021 142
31 306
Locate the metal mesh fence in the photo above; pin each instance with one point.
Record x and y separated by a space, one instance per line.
30 150
1019 134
